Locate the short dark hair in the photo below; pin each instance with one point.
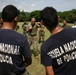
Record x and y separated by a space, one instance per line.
49 17
9 13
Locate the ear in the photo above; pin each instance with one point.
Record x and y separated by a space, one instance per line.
16 18
1 19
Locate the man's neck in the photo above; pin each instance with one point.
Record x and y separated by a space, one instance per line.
7 25
56 30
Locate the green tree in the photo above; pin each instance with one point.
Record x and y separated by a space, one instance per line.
22 16
35 14
70 18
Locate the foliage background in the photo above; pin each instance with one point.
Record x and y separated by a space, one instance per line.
70 15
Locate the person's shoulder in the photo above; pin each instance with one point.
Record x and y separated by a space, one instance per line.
73 29
19 35
70 29
46 44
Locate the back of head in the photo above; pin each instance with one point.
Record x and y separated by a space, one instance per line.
9 13
49 17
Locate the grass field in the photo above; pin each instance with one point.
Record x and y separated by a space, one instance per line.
36 68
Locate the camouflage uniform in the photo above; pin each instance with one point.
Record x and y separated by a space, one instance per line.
65 26
33 40
16 28
41 33
25 28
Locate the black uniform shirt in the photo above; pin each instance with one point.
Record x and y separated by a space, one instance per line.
13 46
59 51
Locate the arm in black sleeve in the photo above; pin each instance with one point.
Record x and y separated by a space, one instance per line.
27 53
45 59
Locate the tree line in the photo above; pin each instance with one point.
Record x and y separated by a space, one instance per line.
69 16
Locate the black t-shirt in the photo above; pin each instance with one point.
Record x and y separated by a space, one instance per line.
59 51
13 46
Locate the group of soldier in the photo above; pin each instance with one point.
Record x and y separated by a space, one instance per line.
35 33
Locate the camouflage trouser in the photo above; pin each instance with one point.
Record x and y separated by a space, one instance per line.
33 40
26 73
41 36
25 34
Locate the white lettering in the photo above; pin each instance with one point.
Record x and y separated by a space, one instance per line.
6 59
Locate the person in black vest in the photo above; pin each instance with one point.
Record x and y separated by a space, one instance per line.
58 52
13 46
